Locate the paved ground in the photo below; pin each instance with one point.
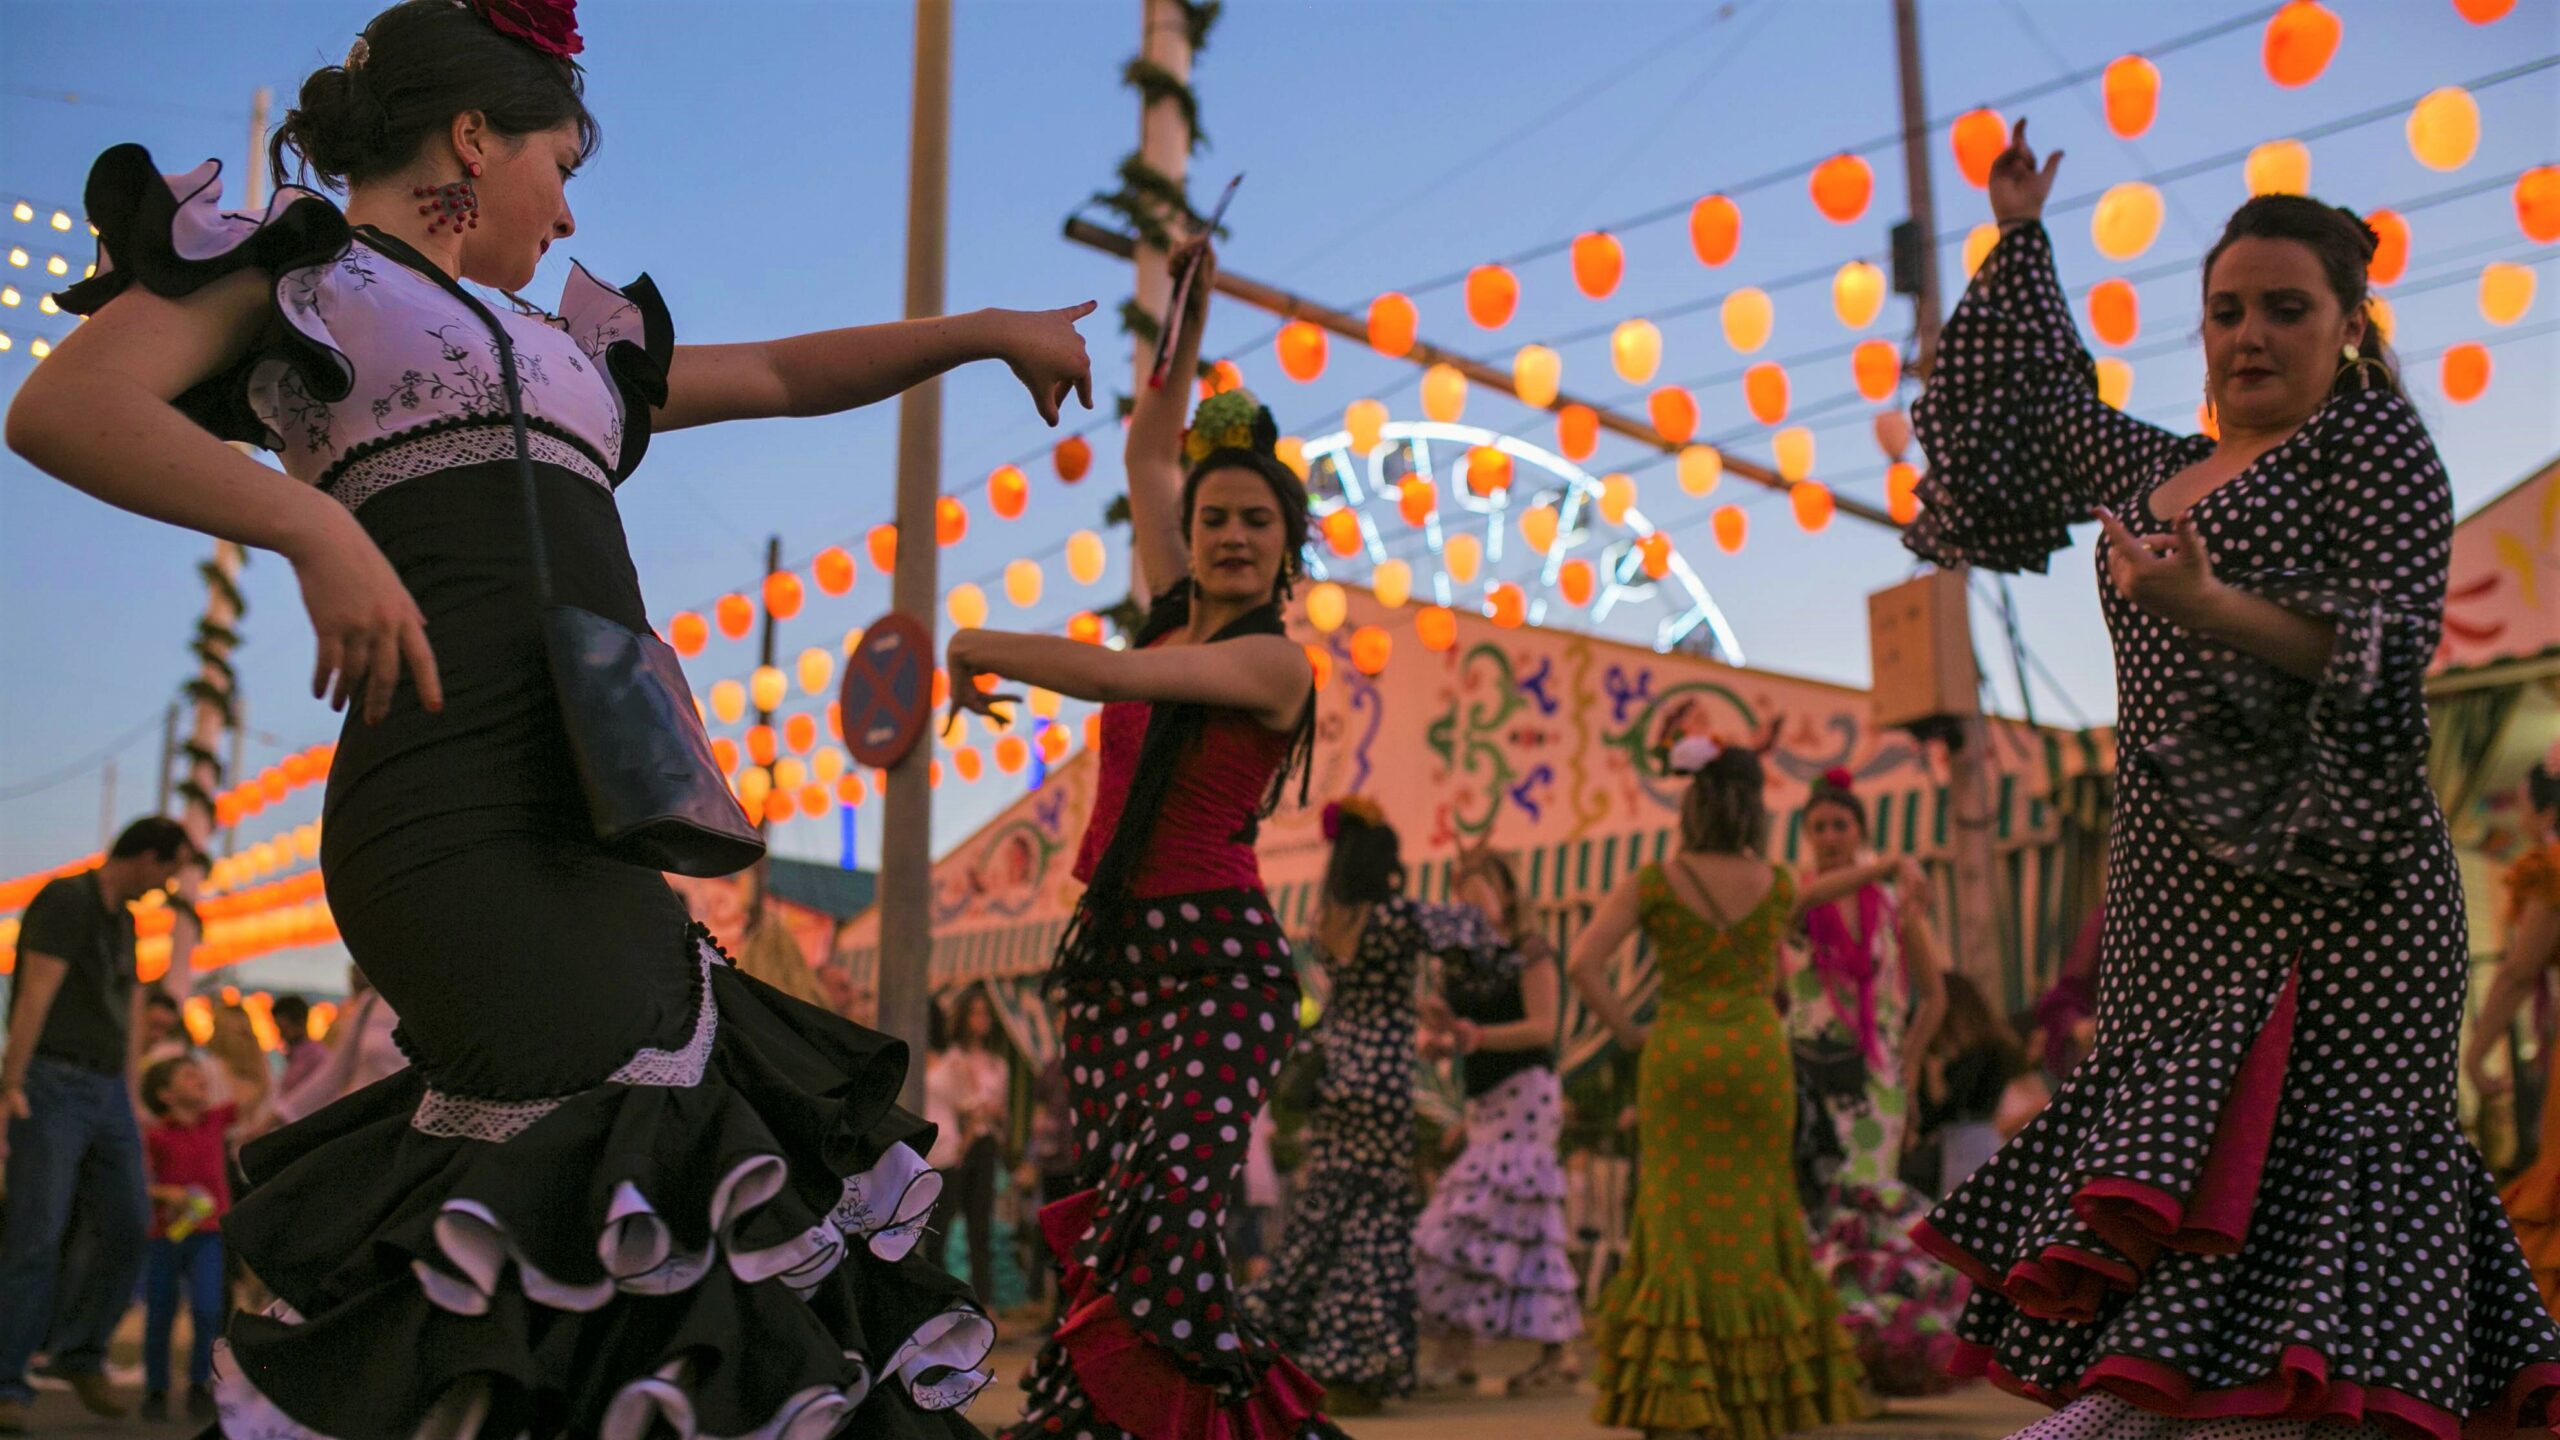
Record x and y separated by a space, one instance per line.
1978 1413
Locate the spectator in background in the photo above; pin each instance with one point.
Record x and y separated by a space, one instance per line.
240 1077
67 1105
164 1027
304 1057
190 1190
968 1091
362 1050
1970 1063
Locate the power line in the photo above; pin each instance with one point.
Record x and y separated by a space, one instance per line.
77 768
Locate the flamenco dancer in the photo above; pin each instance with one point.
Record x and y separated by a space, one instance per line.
1718 1325
2252 1200
622 1189
1490 1248
1179 994
1340 1294
2533 947
1866 990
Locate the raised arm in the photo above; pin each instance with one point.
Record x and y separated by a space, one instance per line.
1154 443
1849 880
828 371
1266 676
1608 928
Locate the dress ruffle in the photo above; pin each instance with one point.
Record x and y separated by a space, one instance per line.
1725 1363
725 1252
2132 1206
627 328
1490 1250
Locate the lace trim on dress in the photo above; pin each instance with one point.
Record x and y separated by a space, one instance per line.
461 1117
372 474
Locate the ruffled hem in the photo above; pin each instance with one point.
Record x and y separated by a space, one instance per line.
1722 1363
1136 1384
628 328
2278 776
716 1240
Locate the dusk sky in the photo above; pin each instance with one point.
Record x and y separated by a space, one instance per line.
755 165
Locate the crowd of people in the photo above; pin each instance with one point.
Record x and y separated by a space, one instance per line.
614 1183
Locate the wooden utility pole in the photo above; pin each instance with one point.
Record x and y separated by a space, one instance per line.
1977 942
906 840
1164 144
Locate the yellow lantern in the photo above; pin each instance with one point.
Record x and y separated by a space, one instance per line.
1793 447
1748 316
1292 452
1022 581
2506 292
790 773
1364 419
1392 583
2444 128
1046 703
968 607
1464 557
1444 394
2127 220
2279 167
1538 527
1536 374
826 765
1085 557
729 701
2385 319
767 688
816 668
1857 294
754 783
1617 497
1327 607
1635 348
1700 468
1977 247
2115 381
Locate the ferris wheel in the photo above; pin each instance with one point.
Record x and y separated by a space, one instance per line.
1372 489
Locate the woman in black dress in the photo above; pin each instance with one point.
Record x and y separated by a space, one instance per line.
621 1187
2253 1199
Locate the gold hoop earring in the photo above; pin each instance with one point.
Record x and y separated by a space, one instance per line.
2368 370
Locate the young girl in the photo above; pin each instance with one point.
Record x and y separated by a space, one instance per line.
185 1146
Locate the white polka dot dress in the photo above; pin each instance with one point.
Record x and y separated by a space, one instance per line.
2254 1200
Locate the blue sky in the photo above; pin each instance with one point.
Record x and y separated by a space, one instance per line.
754 164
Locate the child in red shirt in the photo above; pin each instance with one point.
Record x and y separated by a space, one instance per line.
190 1190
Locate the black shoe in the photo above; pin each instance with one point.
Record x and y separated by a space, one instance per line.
200 1404
155 1406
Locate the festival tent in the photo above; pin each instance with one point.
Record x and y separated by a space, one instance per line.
1542 744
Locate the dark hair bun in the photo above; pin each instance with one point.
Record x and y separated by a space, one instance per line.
338 126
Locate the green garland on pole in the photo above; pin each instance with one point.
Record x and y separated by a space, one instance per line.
1147 197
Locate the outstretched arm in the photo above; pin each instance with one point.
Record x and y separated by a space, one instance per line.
1266 676
1609 928
1839 884
1153 452
828 371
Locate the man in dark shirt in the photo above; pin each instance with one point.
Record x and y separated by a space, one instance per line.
67 1131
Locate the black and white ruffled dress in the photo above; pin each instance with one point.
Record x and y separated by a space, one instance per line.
2253 1202
622 1190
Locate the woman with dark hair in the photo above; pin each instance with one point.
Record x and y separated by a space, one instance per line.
1490 1250
1971 1063
1865 990
2253 1199
1340 1295
622 1187
1718 1325
968 1095
2533 947
1179 995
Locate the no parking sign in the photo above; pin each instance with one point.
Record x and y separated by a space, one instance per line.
887 695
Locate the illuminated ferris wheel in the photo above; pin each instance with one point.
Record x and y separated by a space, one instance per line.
1432 489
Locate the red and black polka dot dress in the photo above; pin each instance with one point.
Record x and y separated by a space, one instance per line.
2255 1198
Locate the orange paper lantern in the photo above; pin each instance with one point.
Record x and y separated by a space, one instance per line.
1370 648
736 614
2299 42
800 732
1675 414
849 789
2483 12
1979 137
1436 627
1902 492
1342 532
782 594
1653 555
950 520
1463 555
1577 432
1222 377
1841 187
1732 527
760 744
1008 492
1493 293
688 633
1072 458
1416 499
1877 367
1764 390
1508 607
1085 626
1444 394
1488 471
724 753
1393 325
2132 89
2115 313
1319 660
1715 229
2466 372
1813 504
2391 247
883 544
2537 198
1053 744
1301 347
1598 262
1538 527
1012 753
834 569
1576 581
966 761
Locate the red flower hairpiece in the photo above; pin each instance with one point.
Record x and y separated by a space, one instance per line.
550 26
1839 778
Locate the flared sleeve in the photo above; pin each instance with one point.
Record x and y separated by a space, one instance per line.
626 331
2019 444
2318 784
170 234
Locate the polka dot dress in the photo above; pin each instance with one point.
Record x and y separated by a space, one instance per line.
1340 1293
2254 1198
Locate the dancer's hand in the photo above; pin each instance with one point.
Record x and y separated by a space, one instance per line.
366 623
965 694
2018 184
2169 575
1047 354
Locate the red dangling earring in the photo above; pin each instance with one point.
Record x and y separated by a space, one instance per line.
457 204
